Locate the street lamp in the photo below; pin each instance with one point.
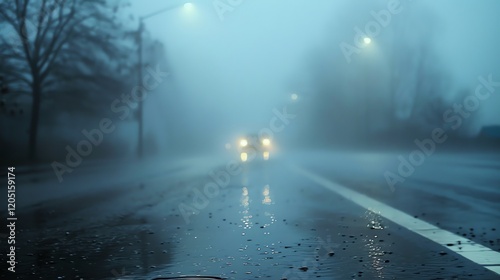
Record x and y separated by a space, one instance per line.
188 6
366 77
140 117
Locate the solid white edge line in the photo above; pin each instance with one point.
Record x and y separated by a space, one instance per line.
494 268
467 248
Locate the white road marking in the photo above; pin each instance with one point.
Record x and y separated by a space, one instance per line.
469 249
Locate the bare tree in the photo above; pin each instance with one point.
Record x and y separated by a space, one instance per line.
49 42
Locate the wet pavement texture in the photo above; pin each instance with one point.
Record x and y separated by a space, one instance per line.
266 223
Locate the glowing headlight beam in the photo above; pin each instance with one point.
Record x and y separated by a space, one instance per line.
243 142
265 155
266 142
244 157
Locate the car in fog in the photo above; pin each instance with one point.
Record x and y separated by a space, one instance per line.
252 146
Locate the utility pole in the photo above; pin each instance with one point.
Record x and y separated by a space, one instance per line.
140 148
140 113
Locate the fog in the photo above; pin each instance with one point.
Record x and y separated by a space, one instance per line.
231 66
236 68
228 139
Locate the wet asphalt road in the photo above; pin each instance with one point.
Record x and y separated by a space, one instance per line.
264 221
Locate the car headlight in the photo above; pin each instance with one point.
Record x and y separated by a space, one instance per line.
243 142
266 142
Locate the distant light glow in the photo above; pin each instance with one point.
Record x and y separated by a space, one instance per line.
265 155
267 197
244 157
243 142
367 40
266 142
294 96
266 190
188 6
245 202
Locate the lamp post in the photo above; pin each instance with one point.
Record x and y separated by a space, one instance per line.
139 79
367 41
140 113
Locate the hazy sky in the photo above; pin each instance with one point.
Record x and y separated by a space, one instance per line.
242 62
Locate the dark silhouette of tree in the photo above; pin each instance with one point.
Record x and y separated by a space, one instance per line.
55 45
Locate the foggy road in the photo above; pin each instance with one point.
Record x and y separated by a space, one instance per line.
291 217
235 139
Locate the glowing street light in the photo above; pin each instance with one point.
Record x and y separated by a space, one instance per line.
367 40
188 6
